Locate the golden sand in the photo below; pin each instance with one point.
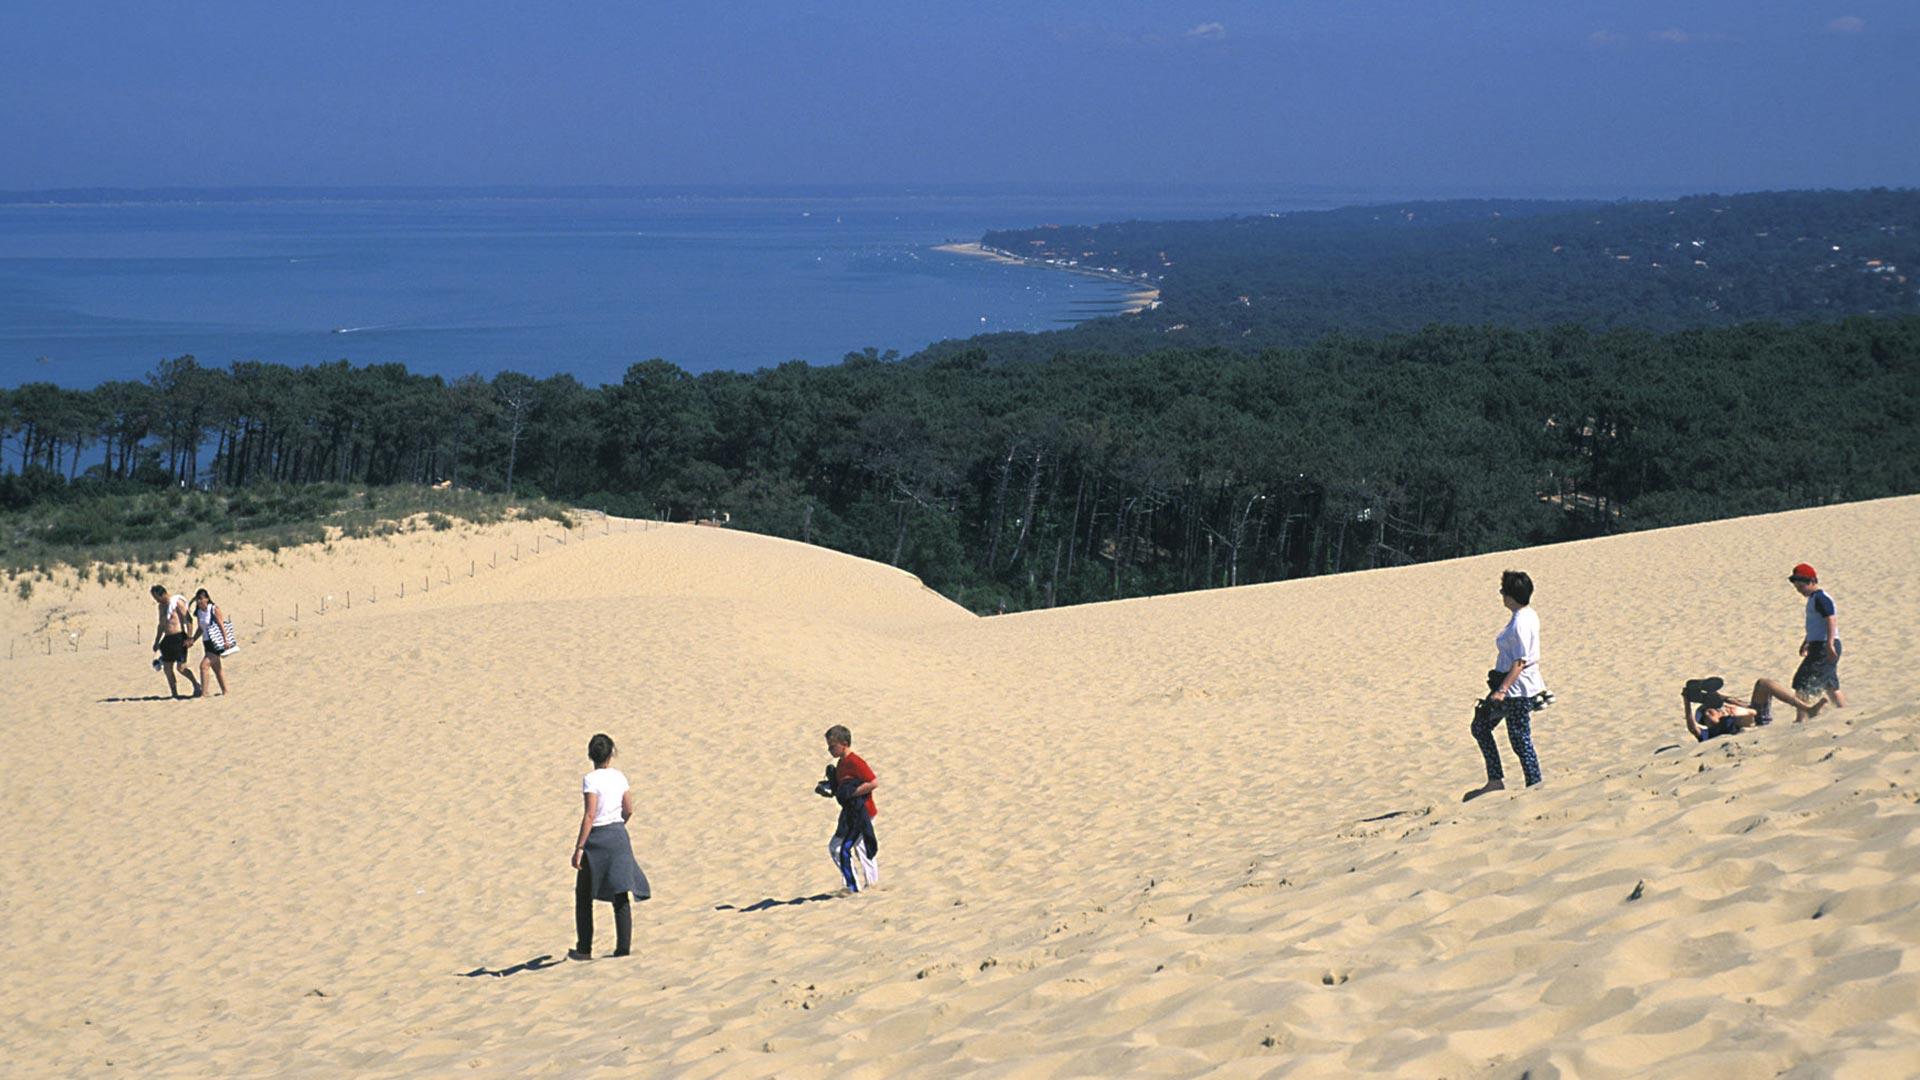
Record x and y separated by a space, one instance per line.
1209 834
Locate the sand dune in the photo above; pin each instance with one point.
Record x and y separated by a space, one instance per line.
1208 834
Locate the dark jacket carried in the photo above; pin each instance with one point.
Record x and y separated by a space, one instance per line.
853 809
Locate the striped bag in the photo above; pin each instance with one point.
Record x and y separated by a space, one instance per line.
220 634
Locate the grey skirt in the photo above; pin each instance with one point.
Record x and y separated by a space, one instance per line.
609 864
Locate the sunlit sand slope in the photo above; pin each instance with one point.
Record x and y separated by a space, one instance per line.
1209 834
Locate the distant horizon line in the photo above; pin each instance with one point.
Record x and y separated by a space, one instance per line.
174 193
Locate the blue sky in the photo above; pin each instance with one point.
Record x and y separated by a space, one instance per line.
1500 97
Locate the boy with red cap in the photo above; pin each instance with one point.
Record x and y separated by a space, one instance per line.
1819 671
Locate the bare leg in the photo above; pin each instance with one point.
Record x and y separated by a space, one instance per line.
1839 699
1767 691
213 661
173 684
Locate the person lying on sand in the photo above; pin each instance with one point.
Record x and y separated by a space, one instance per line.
1710 714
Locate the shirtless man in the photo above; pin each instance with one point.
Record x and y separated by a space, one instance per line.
170 639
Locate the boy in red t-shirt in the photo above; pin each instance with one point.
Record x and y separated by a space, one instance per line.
854 850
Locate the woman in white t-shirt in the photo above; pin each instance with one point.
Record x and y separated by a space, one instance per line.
210 629
1516 686
603 854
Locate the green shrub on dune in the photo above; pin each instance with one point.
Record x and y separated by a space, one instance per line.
101 531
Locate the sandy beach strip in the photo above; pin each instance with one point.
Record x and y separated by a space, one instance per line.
1139 298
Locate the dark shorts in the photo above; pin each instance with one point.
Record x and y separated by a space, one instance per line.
173 648
1714 729
207 646
1819 671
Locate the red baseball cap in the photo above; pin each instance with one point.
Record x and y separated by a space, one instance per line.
1803 572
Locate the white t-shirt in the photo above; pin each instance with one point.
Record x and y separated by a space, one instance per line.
611 786
1521 640
178 602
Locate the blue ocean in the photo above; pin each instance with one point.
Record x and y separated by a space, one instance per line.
101 286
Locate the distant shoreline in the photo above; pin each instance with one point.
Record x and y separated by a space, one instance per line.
1143 297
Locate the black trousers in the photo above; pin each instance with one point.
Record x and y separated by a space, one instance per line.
583 914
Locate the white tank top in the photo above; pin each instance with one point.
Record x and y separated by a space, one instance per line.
211 631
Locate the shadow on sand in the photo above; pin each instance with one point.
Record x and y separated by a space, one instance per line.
143 697
538 963
770 903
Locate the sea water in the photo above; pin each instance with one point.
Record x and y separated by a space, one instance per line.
102 287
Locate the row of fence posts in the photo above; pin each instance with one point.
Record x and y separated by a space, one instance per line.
426 583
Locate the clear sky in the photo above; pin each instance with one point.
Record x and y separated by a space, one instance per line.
1513 96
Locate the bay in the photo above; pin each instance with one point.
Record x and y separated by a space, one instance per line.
102 286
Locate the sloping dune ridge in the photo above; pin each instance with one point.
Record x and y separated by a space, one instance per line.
1208 834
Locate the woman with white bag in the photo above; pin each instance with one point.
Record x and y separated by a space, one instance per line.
215 631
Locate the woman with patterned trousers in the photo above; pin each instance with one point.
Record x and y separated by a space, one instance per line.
1517 688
